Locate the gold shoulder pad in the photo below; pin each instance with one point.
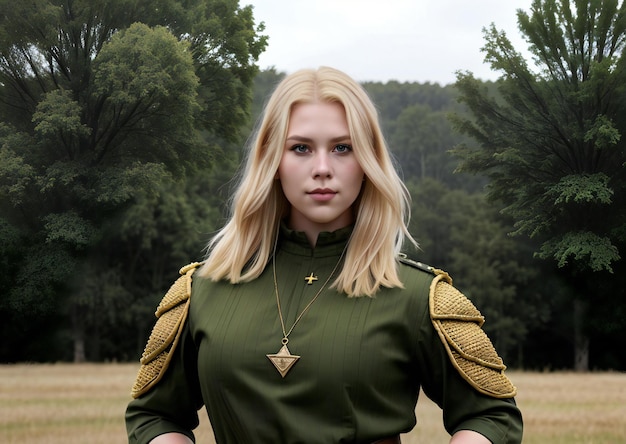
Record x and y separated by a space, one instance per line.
171 316
459 323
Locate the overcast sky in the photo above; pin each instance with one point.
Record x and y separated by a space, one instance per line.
382 40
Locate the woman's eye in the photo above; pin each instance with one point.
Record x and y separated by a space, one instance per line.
343 148
300 148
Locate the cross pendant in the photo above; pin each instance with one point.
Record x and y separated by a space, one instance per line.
309 279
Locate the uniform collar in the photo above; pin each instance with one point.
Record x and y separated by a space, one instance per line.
328 243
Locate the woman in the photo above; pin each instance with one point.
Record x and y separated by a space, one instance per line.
306 324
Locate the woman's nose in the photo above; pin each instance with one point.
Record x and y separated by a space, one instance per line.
321 166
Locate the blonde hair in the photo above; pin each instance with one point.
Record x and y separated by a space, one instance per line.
240 251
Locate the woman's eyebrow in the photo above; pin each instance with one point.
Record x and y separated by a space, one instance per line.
297 138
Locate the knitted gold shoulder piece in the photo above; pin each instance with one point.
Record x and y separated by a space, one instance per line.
171 316
458 323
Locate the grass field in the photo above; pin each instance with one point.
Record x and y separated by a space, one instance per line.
78 404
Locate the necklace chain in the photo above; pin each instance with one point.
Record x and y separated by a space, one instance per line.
284 360
280 312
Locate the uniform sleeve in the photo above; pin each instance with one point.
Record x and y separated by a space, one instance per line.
171 405
464 408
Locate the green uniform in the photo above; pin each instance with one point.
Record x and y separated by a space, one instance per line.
363 361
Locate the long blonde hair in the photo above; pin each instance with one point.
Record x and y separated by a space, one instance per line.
240 251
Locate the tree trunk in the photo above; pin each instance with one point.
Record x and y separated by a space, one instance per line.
79 348
581 340
78 334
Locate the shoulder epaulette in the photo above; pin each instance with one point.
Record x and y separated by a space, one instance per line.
171 316
459 325
421 266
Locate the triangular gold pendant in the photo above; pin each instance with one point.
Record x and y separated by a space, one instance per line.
283 360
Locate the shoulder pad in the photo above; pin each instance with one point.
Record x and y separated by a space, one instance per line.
171 315
458 323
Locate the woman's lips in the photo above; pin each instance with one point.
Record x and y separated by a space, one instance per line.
322 194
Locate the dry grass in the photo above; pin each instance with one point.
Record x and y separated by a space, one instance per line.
77 404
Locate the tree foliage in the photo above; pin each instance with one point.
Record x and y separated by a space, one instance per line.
552 147
551 143
109 110
421 141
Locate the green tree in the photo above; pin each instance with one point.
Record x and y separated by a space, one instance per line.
552 144
421 141
109 107
414 120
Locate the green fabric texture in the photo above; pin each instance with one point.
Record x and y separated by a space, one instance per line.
363 361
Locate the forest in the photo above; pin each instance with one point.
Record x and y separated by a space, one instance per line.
122 128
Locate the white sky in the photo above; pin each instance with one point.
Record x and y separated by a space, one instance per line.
381 40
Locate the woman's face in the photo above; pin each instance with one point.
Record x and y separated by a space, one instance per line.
319 173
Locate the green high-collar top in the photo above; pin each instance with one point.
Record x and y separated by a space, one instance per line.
362 361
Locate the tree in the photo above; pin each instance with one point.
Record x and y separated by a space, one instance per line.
552 144
421 141
106 106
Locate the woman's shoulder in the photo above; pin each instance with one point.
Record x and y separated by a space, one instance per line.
416 276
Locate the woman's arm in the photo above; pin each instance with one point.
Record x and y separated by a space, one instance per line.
173 438
465 408
171 406
468 437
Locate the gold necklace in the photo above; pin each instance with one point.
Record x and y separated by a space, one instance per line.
284 360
